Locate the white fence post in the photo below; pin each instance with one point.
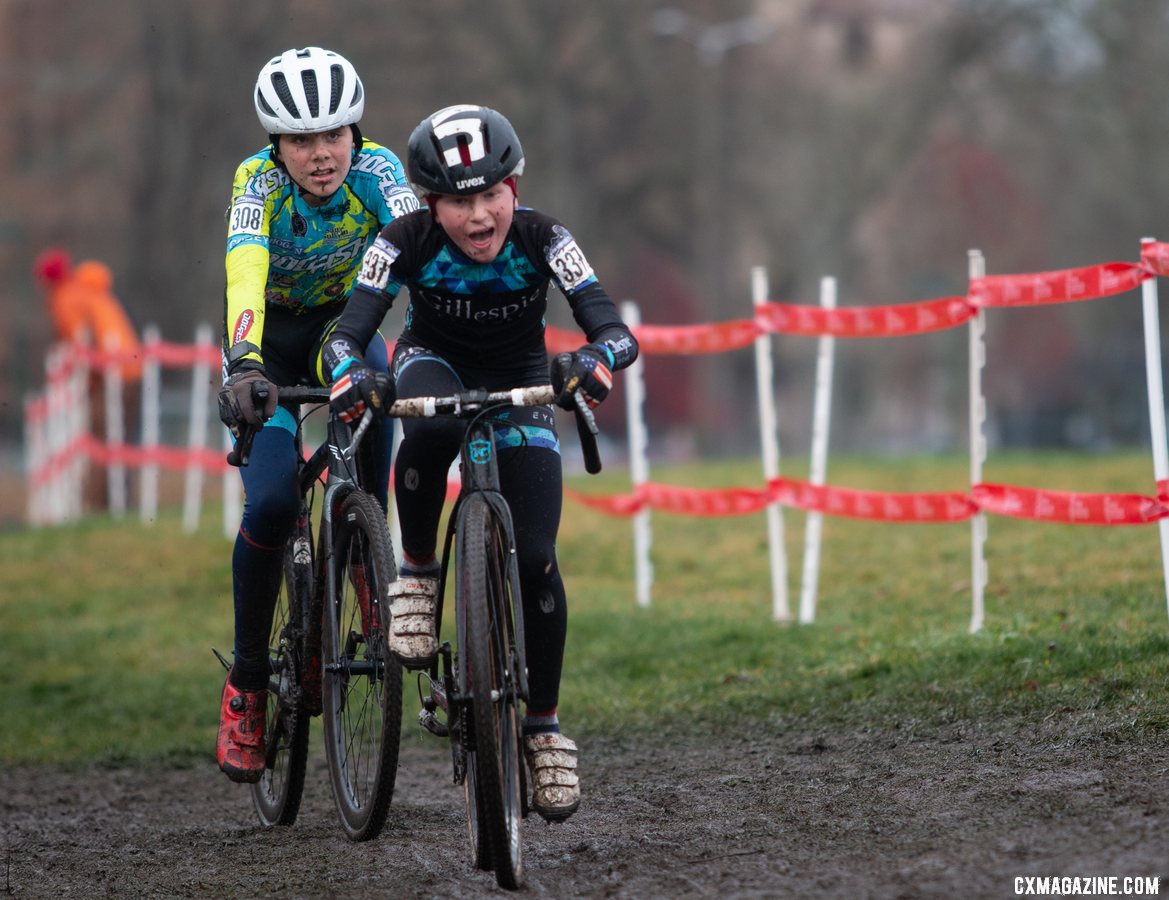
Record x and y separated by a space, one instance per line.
151 426
115 431
634 380
57 433
78 417
821 422
780 611
1149 301
977 344
197 429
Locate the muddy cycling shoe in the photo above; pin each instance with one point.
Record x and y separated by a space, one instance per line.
555 785
412 634
240 747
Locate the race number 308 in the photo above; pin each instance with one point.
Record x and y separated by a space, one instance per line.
247 218
570 266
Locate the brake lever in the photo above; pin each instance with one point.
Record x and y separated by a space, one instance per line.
238 455
586 429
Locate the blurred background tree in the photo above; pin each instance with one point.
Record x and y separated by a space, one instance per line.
683 143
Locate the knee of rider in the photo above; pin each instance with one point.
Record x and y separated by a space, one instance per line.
432 448
270 518
537 564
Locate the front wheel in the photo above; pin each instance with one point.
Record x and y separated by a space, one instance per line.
277 794
362 679
485 595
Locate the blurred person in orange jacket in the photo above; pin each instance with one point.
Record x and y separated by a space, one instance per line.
84 309
82 304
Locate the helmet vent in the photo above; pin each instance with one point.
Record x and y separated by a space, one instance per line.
263 104
309 80
280 85
358 95
338 87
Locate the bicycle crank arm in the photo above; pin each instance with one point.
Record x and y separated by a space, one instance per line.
428 715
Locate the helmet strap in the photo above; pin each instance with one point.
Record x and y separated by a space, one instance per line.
274 153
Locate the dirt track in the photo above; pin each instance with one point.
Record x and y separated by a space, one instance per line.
953 813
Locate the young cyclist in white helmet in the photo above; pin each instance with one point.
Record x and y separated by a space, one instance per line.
303 210
478 268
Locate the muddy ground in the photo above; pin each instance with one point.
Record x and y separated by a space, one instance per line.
918 812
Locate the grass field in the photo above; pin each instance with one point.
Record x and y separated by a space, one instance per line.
106 628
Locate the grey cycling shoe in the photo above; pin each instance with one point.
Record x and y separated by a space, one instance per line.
555 785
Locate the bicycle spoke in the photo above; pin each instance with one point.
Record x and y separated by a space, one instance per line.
276 797
363 697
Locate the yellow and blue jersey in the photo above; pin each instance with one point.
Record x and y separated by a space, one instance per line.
284 253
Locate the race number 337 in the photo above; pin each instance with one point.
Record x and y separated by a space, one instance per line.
570 265
375 265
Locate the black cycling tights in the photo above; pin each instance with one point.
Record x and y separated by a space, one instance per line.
530 477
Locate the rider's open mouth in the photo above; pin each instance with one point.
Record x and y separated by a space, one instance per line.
481 238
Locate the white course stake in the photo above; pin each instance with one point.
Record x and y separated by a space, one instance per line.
634 381
780 611
978 571
1156 389
821 420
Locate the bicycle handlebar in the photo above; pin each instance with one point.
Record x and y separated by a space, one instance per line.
238 455
467 401
473 400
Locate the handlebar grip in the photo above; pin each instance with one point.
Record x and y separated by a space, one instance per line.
586 428
238 455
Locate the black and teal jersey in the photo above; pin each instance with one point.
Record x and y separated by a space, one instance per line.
486 319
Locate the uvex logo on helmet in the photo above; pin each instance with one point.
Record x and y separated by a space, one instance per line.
242 326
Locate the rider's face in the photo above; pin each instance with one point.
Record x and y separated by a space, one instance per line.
477 223
318 162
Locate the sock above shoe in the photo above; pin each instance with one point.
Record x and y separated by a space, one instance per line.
541 723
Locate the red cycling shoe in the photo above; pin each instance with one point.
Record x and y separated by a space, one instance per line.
240 746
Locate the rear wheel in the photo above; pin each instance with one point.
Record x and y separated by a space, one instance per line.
486 593
277 794
362 679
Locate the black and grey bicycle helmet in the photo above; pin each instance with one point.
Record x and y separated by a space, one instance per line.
309 90
463 150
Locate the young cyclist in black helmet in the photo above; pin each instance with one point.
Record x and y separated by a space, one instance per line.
478 267
303 210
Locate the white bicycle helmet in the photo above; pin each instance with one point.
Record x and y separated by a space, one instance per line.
308 90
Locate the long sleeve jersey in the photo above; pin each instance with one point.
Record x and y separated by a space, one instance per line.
282 252
485 319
